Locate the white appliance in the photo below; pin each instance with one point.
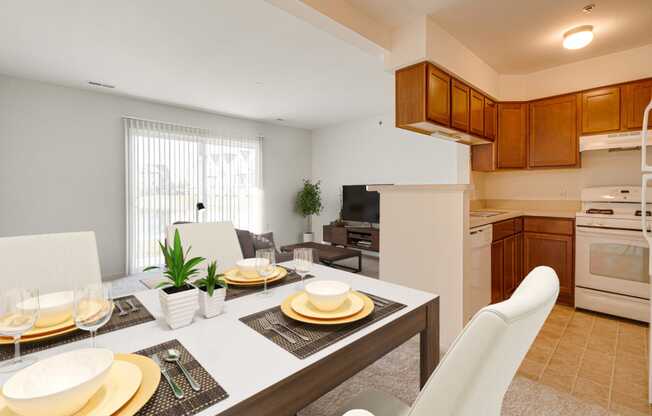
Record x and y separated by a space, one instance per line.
477 293
611 253
619 140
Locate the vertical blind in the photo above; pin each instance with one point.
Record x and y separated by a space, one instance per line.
172 168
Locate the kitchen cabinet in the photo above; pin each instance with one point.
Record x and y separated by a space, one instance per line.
460 98
483 157
490 119
437 102
636 96
601 110
512 136
422 97
476 113
506 259
553 138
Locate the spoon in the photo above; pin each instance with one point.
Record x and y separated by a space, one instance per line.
174 356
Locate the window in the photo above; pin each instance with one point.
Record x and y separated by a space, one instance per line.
170 169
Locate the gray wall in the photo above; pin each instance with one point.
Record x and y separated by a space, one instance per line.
62 164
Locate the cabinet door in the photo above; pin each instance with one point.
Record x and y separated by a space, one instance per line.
483 157
512 136
490 119
555 251
510 266
520 268
477 113
497 250
438 97
636 96
460 95
601 110
553 139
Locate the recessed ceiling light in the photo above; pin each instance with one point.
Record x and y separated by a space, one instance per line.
279 119
578 37
100 84
588 9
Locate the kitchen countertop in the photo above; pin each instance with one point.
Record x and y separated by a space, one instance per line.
508 214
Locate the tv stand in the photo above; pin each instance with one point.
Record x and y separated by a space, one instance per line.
363 238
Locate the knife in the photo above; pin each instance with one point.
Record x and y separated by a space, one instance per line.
178 393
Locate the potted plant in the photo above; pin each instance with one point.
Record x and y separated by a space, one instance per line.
178 298
308 203
212 292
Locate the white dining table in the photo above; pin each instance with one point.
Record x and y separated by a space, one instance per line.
260 377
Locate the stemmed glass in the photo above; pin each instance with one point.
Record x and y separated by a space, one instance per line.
92 307
265 266
19 310
302 263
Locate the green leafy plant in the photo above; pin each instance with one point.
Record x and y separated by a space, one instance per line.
177 269
308 202
212 279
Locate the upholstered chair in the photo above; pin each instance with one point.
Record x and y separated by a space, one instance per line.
472 378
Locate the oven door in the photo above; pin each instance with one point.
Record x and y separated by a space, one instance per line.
613 261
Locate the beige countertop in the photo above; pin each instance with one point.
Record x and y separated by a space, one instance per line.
508 214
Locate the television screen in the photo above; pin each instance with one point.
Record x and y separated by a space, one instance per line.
360 205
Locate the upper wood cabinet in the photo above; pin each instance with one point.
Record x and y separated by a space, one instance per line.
601 110
553 138
460 98
490 119
512 136
476 125
437 100
636 96
422 97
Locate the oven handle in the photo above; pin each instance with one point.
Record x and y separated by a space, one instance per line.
595 231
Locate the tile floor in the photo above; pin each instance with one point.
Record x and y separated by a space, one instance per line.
594 357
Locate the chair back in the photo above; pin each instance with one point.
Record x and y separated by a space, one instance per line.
49 262
474 375
215 241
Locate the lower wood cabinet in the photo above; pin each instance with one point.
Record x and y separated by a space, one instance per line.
555 251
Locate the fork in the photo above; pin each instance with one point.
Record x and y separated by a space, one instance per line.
273 319
268 327
134 308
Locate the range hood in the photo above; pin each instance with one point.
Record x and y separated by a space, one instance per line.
620 140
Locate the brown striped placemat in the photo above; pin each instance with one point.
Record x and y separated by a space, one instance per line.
234 292
321 336
163 402
139 316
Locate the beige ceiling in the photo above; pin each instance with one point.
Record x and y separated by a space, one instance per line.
524 36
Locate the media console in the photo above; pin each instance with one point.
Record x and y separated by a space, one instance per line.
363 238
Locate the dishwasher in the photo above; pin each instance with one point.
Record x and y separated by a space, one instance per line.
478 288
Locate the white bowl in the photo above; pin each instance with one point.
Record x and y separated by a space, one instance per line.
327 295
247 267
55 308
58 385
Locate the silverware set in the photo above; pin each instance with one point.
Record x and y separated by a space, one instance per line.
174 356
381 303
270 321
124 312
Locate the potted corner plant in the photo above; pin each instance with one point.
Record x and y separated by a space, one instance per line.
177 296
308 203
212 292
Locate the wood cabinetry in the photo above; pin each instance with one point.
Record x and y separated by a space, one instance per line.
490 119
460 96
636 96
601 110
437 101
506 259
363 238
476 113
512 136
553 138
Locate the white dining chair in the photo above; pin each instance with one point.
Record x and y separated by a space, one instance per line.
49 262
214 241
472 378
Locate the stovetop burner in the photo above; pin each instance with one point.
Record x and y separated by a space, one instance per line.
601 211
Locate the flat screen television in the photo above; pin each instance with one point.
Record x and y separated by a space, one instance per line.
358 204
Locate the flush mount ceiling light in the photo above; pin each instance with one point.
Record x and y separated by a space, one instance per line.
578 37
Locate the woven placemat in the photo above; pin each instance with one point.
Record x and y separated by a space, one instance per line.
116 322
163 402
234 292
321 336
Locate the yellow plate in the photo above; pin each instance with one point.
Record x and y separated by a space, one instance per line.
37 332
281 274
368 307
6 341
120 386
301 304
234 275
129 385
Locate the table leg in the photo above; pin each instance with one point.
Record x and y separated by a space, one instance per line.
430 341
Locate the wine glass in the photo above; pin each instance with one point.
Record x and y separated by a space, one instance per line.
92 307
302 263
265 266
19 310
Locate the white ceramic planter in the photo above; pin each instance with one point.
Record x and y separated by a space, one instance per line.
211 306
179 308
308 237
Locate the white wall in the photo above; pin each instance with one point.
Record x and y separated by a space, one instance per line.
364 152
62 163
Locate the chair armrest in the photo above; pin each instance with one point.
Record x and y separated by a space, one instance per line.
358 412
